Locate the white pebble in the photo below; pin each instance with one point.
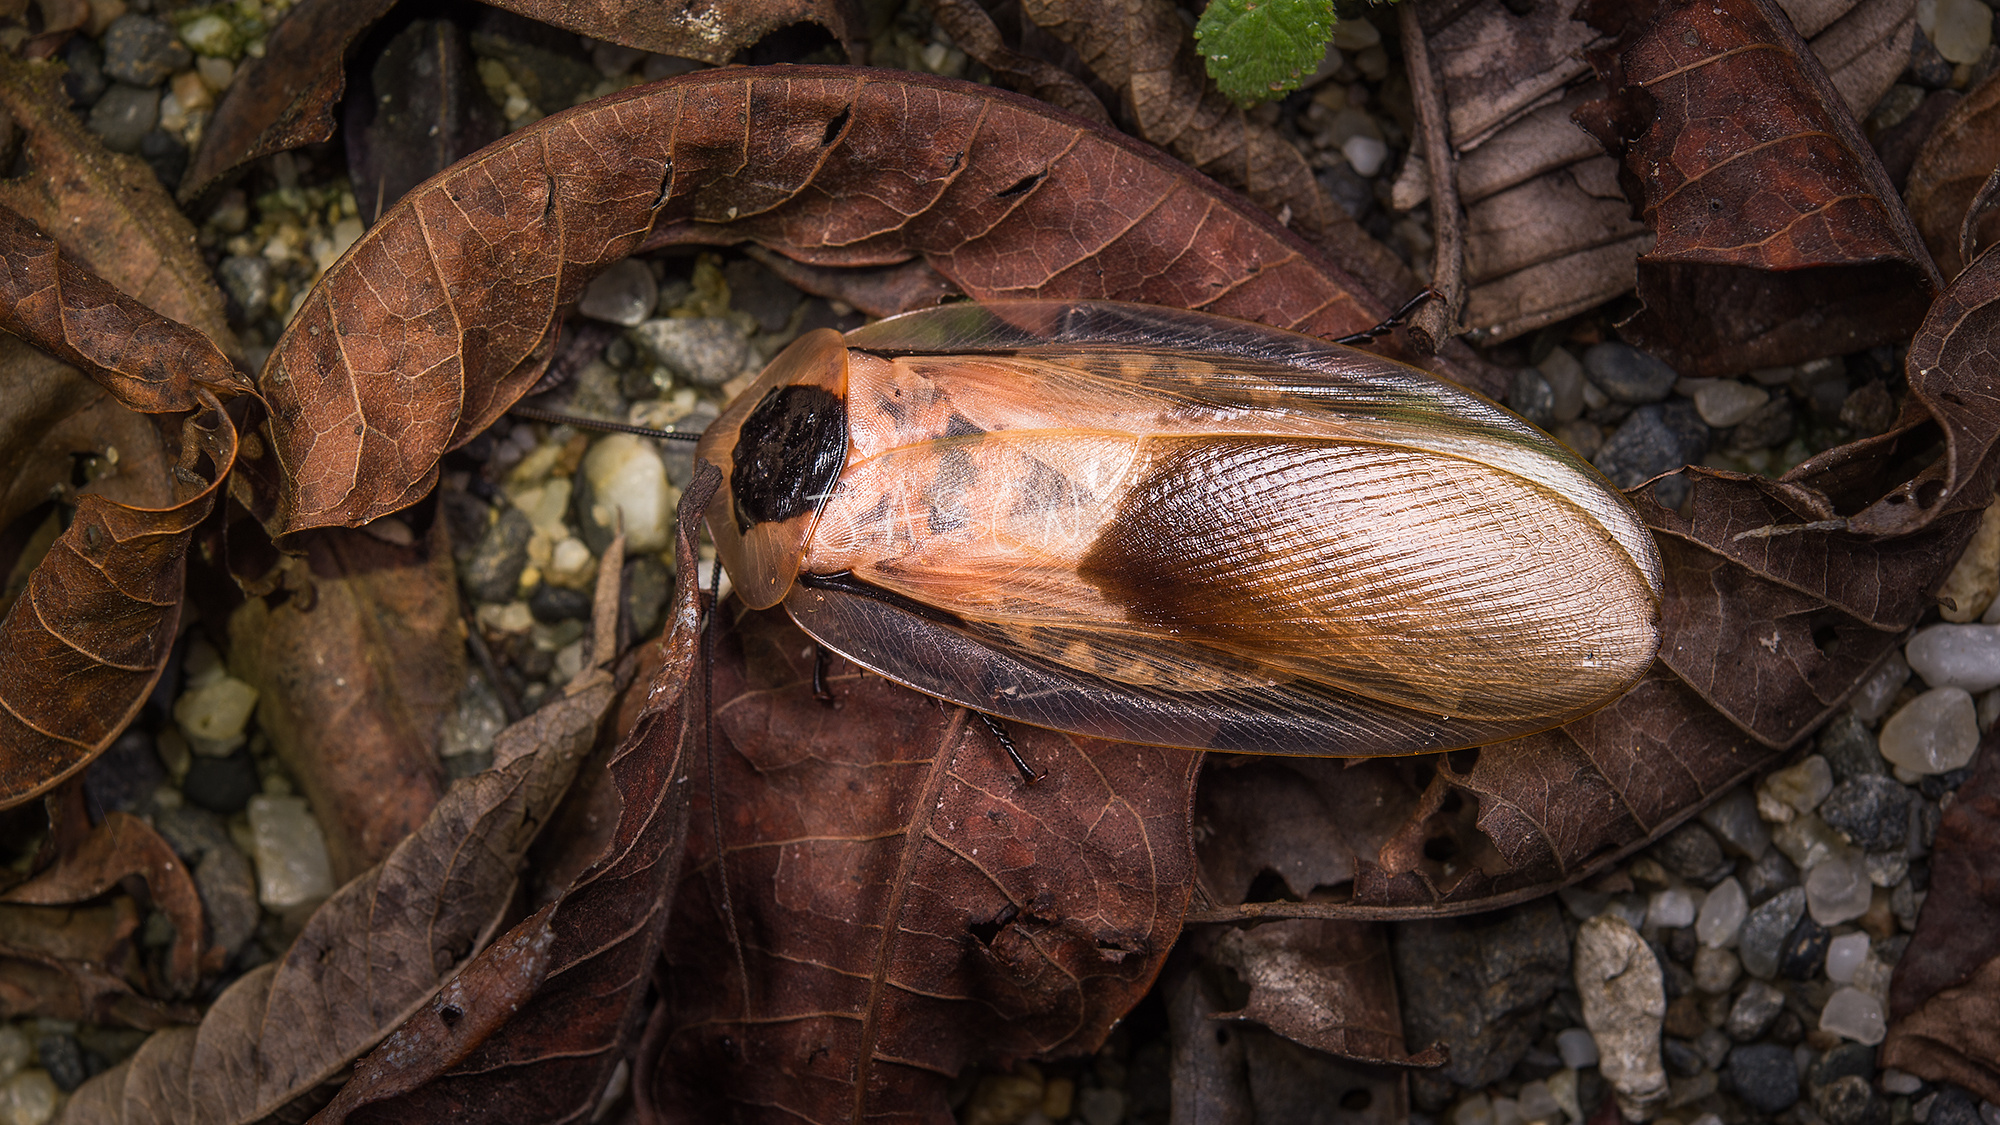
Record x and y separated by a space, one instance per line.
1623 996
213 715
1722 915
1537 1104
1853 1014
15 1050
1672 907
1969 589
623 294
1715 970
1734 820
1809 842
1838 891
1900 1083
1365 153
1577 1048
1475 1110
1802 786
1844 954
290 852
571 564
1562 1087
1963 656
1963 31
1506 1111
1876 692
627 477
1725 402
1936 732
28 1098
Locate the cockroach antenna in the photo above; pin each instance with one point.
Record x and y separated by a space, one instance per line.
557 418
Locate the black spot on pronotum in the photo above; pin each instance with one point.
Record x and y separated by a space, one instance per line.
1021 186
450 1014
836 126
788 454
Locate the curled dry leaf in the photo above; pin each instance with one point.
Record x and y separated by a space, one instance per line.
712 33
1323 984
79 963
355 671
1944 1001
373 953
1950 169
551 1061
125 846
446 311
1780 238
935 911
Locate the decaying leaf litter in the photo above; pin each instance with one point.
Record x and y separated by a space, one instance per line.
1779 620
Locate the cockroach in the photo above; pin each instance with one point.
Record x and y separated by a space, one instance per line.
1166 527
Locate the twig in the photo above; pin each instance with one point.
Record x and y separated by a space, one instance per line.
1436 321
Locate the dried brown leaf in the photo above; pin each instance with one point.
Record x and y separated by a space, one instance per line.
1326 985
1950 169
1780 237
710 33
904 904
1944 1002
376 951
356 664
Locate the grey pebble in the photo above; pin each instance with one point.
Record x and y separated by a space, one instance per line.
1773 872
1765 1076
1955 1106
143 50
647 584
124 115
1627 374
1713 1044
1479 985
165 154
1767 427
1690 851
1869 410
754 289
1656 438
1353 191
228 889
1762 940
62 1056
1681 1057
1849 748
698 351
1927 68
551 604
1804 951
494 570
222 785
1755 1007
247 280
1871 810
1530 397
1851 1100
1847 1059
84 81
126 774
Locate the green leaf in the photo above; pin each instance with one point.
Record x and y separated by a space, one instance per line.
1260 49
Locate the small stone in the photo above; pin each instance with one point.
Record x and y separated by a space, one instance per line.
1654 439
1722 915
1690 851
766 297
1564 376
214 715
228 890
1765 1076
1849 749
29 1098
1585 437
1716 970
247 280
1734 820
551 604
292 866
1765 930
1767 876
1480 986
1886 869
1530 397
1624 1002
1713 1047
15 1050
1849 1100
1674 906
1475 1110
571 564
647 584
1809 842
1954 1106
1868 410
1365 153
478 717
1577 1048
1900 1083
62 1057
84 81
1934 733
1000 1099
1767 427
1853 1014
1802 786
1871 700
493 573
1537 1103
1627 374
1723 403
1962 656
125 774
222 785
124 115
1970 588
1681 1057
1804 950
1838 891
143 51
212 36
1872 811
1099 1105
623 477
165 152
698 351
1844 955
1963 31
1928 69
1843 1060
624 293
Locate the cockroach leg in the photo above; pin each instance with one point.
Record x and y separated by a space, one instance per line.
1395 318
557 418
1000 735
822 661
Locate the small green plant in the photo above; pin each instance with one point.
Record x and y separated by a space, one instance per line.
1260 49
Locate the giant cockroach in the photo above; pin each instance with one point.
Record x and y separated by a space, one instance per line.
1166 527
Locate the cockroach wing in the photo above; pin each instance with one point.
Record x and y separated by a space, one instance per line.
780 446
